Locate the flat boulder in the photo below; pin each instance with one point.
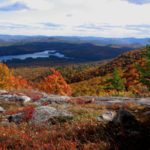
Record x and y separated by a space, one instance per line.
46 114
58 99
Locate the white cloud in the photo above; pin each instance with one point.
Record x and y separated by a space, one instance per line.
99 14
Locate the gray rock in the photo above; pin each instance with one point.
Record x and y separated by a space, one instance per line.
107 116
55 99
2 109
144 101
14 97
7 96
48 114
23 98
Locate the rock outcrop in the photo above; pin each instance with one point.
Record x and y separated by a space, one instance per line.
47 114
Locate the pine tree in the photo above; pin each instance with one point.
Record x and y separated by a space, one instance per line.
117 82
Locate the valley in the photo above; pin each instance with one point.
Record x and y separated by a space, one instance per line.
65 52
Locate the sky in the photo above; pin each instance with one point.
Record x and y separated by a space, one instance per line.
100 18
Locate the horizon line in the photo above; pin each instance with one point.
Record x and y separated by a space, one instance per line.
86 36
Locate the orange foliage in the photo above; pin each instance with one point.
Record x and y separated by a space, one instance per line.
19 82
131 75
55 84
5 76
8 81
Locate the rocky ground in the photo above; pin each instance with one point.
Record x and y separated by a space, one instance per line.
115 122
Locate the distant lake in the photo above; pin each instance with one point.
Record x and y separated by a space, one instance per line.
43 54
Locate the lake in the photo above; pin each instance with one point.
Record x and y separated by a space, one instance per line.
43 54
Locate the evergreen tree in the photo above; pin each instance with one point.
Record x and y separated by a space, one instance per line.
117 82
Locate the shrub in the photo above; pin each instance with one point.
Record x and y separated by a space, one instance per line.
54 84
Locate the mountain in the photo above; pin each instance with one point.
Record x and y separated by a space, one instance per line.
15 39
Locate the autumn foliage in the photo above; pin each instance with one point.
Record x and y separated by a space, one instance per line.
8 81
87 79
5 77
131 74
54 84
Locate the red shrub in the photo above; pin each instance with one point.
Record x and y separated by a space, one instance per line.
54 84
28 111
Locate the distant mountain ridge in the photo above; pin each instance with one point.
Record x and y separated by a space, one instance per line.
17 39
81 49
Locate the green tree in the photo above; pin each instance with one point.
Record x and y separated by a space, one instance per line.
117 82
145 70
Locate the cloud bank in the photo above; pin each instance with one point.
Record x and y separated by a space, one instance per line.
103 18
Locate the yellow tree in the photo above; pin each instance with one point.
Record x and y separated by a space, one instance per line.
8 81
5 77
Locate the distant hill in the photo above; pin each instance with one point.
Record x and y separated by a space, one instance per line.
77 52
121 61
18 39
96 81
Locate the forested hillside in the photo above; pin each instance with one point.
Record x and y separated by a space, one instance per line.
96 78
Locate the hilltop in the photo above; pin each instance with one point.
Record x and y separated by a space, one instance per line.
98 81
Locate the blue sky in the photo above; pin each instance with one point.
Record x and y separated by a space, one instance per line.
103 18
139 2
